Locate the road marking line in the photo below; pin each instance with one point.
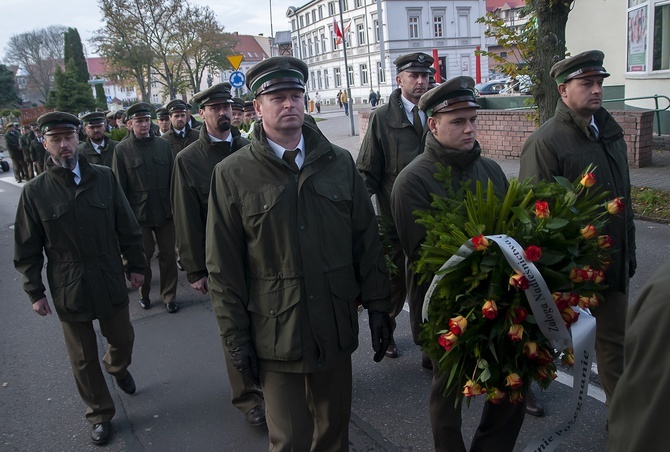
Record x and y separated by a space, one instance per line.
12 181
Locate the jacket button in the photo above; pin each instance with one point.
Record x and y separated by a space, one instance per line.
311 297
265 207
334 196
272 312
302 228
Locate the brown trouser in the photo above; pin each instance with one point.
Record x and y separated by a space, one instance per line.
244 394
308 412
497 431
20 169
610 329
167 265
82 347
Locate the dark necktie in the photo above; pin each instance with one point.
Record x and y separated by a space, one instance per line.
417 121
289 157
70 176
593 131
181 135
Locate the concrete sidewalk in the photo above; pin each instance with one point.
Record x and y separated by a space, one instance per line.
336 126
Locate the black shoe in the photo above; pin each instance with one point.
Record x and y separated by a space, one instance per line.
145 303
256 416
392 351
101 433
533 405
127 384
172 307
179 265
426 362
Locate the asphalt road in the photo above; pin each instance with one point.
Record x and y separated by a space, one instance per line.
182 401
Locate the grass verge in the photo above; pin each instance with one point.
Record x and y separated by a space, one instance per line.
651 204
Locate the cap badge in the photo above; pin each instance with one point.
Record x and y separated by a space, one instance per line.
421 58
284 65
464 84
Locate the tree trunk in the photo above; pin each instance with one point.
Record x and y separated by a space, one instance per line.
552 16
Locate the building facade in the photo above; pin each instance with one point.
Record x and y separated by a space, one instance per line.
447 27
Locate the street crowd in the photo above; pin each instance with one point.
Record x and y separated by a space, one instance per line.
276 224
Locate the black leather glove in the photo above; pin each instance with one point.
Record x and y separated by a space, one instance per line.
243 358
380 329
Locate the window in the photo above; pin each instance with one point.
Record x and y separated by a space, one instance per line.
326 82
302 21
364 74
313 80
381 73
306 18
350 75
316 44
358 3
295 48
331 8
661 45
338 77
413 27
464 22
155 98
320 12
503 54
438 25
345 5
376 25
318 79
304 49
360 30
313 15
293 24
323 43
333 40
309 46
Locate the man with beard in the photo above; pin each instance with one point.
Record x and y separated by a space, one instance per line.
238 113
292 243
181 134
189 194
451 142
97 148
143 163
580 134
163 120
393 139
77 215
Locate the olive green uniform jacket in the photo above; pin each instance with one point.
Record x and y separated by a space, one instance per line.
144 169
563 146
412 191
37 152
178 143
106 152
189 193
638 413
81 230
390 143
24 143
12 142
289 253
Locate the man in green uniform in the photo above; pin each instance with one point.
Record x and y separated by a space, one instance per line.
181 134
37 152
393 139
97 148
163 120
77 214
15 153
580 134
143 163
292 244
452 113
189 194
238 113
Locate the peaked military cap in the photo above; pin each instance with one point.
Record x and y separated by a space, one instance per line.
238 104
119 113
138 110
249 106
582 65
95 118
276 73
161 112
176 105
454 94
414 62
57 122
217 94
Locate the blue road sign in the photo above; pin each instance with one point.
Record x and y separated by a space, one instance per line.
236 79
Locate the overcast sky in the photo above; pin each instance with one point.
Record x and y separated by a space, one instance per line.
247 17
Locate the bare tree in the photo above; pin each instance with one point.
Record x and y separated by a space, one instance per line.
38 52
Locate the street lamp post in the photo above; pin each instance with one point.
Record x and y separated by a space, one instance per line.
346 72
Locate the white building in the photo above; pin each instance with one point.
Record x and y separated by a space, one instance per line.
445 26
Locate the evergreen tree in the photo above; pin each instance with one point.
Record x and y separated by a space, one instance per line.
74 53
8 92
100 97
73 94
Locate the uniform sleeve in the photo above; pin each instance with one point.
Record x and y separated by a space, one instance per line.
407 196
128 232
538 161
29 240
188 224
369 263
225 251
370 161
119 169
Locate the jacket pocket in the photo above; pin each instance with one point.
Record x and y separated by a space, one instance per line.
65 283
262 213
344 290
274 314
114 280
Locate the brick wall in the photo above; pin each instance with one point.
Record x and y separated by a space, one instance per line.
502 133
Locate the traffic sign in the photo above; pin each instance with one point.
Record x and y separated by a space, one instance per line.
236 79
235 60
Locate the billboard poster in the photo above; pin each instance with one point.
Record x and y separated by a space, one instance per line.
637 40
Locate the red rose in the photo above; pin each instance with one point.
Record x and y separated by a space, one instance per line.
518 281
570 316
490 310
615 206
605 241
544 357
515 333
472 389
589 232
542 209
588 180
480 243
516 397
457 325
448 340
495 396
519 315
530 350
533 253
513 381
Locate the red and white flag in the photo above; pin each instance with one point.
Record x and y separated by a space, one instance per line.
337 31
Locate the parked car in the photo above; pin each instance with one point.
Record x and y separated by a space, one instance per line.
490 87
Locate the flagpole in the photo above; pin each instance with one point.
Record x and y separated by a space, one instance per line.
346 71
